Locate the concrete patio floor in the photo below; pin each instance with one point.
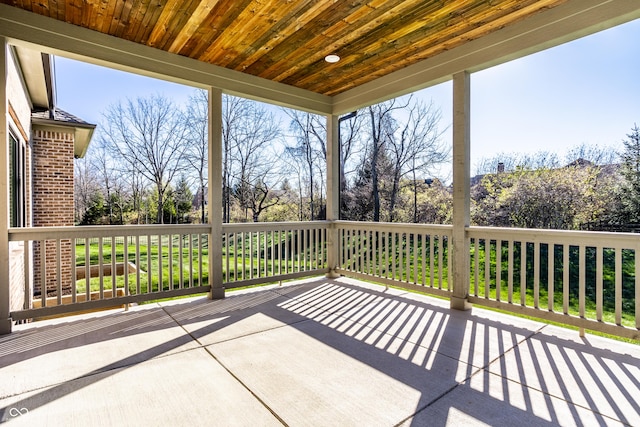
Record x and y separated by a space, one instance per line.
313 353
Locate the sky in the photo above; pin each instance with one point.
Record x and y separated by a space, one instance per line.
583 92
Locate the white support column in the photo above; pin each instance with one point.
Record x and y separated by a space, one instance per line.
333 193
461 193
5 297
215 193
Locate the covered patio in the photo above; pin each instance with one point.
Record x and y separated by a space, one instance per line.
330 350
313 352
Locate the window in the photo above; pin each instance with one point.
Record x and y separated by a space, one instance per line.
17 182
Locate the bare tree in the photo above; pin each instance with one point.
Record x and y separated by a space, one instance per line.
86 186
111 181
198 137
382 128
253 134
149 134
310 150
415 148
233 111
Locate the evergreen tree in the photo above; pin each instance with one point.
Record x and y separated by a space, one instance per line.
630 171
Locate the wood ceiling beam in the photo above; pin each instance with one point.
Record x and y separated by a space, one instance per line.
552 27
59 38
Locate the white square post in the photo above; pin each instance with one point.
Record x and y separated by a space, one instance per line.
333 194
5 297
215 193
461 191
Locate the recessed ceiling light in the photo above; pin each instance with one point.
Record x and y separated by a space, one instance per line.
332 58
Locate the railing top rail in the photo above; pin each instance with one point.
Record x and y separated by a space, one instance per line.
35 233
396 226
596 238
274 226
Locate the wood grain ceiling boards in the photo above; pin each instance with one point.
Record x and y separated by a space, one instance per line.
286 40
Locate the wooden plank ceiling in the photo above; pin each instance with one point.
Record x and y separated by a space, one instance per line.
286 40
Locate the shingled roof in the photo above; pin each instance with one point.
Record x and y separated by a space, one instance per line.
58 115
83 131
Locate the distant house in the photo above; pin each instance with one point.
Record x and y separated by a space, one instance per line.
43 141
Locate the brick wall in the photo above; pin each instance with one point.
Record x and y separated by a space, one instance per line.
52 203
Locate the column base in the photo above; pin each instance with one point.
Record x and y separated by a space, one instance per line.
331 274
457 303
5 326
216 293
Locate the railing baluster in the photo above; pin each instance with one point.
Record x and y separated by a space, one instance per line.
73 270
415 258
272 261
432 258
511 250
321 248
113 267
264 254
361 250
254 254
372 269
405 247
423 257
43 272
365 251
582 279
618 286
299 245
487 267
551 275
149 272
523 272
87 268
287 250
599 282
28 292
536 274
440 260
303 249
565 278
161 262
243 248
190 249
227 253
407 258
101 266
235 257
138 265
498 269
180 262
125 261
58 255
393 254
200 255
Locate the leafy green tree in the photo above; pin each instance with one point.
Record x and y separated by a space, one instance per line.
560 198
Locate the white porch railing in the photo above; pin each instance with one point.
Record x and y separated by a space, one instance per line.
586 279
256 253
82 268
408 255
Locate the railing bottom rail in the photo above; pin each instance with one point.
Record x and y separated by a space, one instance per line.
78 307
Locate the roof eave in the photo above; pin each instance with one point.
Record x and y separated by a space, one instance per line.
82 132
